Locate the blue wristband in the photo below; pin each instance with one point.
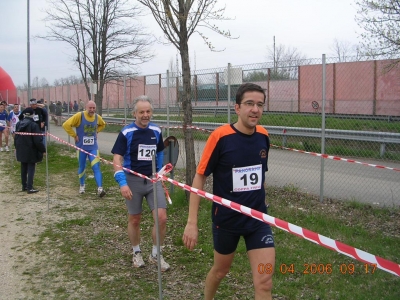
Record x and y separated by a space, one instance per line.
120 178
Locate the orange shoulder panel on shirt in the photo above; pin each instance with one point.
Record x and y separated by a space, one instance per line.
261 129
212 141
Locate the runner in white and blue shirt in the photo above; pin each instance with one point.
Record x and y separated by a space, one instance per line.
13 118
3 127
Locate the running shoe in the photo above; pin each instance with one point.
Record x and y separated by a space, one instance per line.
101 192
137 260
8 150
164 265
1 149
82 189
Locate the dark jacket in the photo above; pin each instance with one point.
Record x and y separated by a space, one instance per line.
40 113
29 148
59 109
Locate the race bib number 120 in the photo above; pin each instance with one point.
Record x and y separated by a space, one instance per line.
145 152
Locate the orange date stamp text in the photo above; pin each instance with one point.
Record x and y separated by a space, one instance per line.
314 268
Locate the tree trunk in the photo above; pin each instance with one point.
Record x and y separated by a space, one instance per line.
187 116
99 98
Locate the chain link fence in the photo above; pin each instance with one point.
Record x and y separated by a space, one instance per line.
349 111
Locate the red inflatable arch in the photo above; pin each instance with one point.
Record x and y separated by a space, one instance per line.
8 91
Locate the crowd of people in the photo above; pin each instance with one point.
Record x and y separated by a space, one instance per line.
235 154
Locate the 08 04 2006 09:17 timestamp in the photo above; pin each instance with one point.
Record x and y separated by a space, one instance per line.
318 268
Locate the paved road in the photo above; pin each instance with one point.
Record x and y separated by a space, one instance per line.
342 180
105 139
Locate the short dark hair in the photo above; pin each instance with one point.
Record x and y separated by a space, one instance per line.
248 87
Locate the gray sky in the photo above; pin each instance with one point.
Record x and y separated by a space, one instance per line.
308 25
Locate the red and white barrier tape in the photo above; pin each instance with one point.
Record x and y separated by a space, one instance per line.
326 156
360 255
192 127
28 133
314 237
166 169
337 158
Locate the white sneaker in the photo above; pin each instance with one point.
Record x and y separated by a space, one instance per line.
101 192
82 189
137 260
8 150
1 149
164 265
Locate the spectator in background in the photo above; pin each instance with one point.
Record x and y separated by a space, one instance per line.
76 106
52 107
88 124
58 112
3 127
42 104
65 106
39 116
13 119
81 105
29 149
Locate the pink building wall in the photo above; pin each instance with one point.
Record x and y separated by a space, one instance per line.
351 88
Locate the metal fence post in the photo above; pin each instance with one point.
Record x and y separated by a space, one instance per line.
229 93
321 191
167 102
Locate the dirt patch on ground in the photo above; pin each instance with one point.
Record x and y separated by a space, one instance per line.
23 218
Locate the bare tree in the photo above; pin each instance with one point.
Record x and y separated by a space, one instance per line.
23 87
43 82
342 49
345 51
286 60
178 20
74 80
381 21
35 82
106 39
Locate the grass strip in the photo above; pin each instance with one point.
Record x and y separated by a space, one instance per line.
86 253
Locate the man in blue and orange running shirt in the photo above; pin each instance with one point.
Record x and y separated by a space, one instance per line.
88 124
237 155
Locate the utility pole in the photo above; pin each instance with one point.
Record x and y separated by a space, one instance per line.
274 57
28 54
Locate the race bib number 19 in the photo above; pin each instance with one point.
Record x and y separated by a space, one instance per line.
247 178
146 151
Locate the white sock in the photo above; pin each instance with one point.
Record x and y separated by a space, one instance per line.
136 249
154 251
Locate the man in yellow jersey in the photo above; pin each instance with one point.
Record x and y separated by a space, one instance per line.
88 124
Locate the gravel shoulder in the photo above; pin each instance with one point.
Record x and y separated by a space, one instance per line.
20 223
23 218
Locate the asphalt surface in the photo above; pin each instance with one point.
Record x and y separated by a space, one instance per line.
342 180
